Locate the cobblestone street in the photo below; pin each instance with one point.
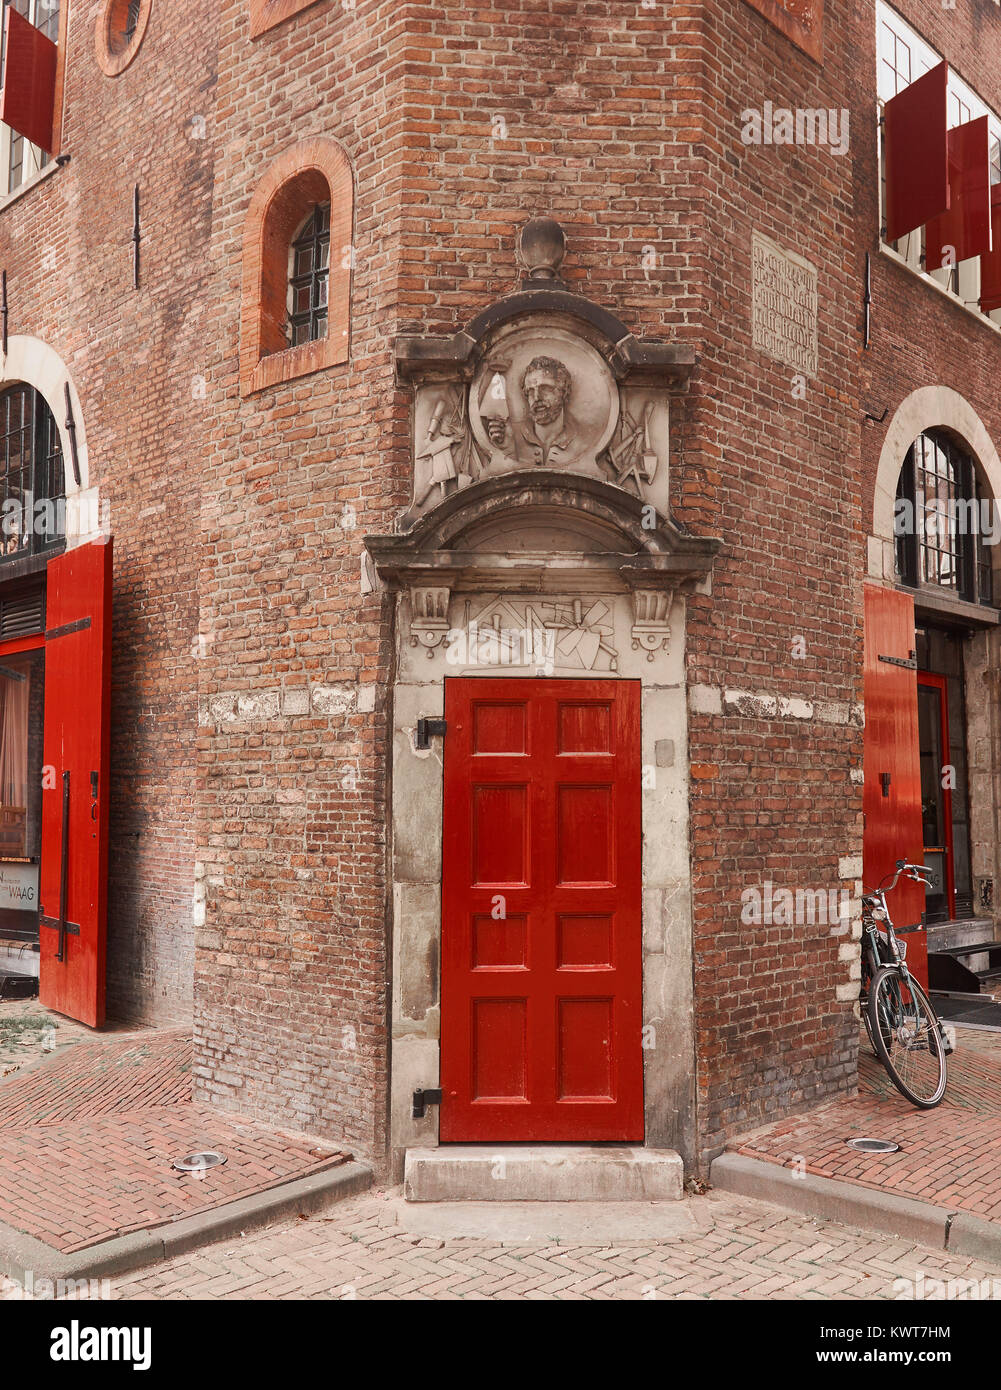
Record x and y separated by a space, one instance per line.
357 1250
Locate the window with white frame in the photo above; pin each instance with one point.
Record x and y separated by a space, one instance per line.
902 56
19 159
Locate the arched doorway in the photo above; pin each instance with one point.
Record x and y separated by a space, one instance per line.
938 480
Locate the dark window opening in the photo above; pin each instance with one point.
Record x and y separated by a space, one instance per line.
122 24
309 274
132 20
32 489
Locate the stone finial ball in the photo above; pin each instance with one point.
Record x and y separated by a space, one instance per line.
542 244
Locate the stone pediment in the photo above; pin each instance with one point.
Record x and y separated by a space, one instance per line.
491 533
543 393
541 450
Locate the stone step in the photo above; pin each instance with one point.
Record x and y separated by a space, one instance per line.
542 1173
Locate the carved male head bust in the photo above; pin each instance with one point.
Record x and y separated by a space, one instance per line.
546 385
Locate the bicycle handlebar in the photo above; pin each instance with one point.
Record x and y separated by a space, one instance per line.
919 873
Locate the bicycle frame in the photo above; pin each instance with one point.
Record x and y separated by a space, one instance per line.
875 910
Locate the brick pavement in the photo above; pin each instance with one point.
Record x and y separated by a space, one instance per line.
30 1034
89 1128
948 1156
95 1078
359 1251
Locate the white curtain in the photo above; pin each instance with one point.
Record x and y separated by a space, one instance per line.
14 742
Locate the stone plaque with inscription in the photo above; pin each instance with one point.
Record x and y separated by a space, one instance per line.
784 305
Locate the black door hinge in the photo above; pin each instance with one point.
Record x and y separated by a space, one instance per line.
428 729
422 1099
909 662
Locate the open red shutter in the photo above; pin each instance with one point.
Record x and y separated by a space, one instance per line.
917 161
28 94
891 750
990 264
74 870
966 227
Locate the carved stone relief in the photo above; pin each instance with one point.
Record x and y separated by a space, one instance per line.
544 636
544 397
560 634
651 628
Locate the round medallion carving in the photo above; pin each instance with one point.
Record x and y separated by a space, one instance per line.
544 398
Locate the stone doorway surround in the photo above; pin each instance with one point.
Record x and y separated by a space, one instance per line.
939 407
539 542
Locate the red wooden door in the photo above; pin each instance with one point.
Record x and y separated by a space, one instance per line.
74 868
890 749
541 982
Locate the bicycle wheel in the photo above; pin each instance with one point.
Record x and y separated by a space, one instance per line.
905 1033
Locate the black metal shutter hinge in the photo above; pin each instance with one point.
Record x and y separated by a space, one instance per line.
422 1099
428 729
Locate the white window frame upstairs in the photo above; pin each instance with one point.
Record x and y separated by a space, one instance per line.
902 56
44 14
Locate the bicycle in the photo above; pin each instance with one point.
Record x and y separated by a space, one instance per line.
904 1030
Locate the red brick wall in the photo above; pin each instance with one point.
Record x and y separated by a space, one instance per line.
775 476
291 973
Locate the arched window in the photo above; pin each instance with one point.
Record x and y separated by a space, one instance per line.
32 486
941 518
295 310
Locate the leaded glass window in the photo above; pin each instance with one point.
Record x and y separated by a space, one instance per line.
309 274
32 489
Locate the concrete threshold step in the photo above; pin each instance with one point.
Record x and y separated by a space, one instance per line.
548 1223
542 1173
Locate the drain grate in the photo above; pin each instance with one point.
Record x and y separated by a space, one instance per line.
873 1146
197 1163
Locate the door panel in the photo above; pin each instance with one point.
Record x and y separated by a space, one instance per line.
74 870
541 988
893 820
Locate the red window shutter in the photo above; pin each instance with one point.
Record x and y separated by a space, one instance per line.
28 94
966 227
990 263
891 744
73 874
917 160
